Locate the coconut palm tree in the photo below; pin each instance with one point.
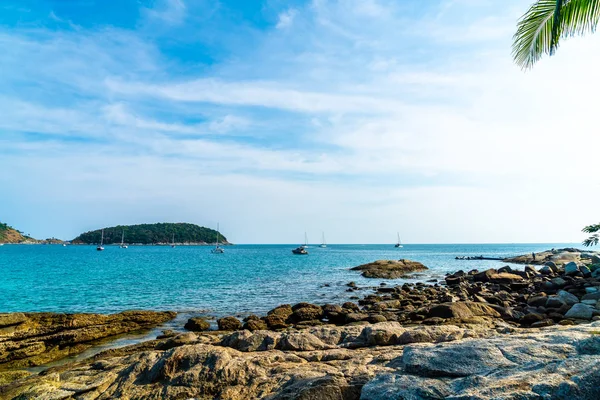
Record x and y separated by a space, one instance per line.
593 239
541 28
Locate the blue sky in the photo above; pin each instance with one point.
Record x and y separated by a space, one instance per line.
359 118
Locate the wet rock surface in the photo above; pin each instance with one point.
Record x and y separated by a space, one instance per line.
30 339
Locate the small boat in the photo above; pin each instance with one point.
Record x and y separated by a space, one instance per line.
398 244
101 247
173 242
305 245
323 243
217 249
64 245
300 250
123 245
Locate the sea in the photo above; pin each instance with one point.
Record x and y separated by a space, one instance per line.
191 280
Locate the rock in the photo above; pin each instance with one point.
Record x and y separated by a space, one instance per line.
456 361
251 341
389 269
255 325
394 386
555 302
356 317
571 268
275 321
31 339
462 310
283 311
568 298
542 323
197 324
537 301
306 312
9 319
485 275
531 318
591 296
559 282
179 340
505 277
585 271
580 311
229 324
377 318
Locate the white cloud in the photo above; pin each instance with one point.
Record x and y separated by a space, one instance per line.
286 18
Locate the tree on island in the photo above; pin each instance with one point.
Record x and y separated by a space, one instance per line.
539 32
541 28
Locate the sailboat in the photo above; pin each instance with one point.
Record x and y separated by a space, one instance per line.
123 246
217 249
323 243
398 244
101 247
305 245
173 242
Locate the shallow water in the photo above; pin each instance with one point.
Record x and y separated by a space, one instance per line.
189 279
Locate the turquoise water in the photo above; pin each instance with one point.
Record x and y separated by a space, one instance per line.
247 278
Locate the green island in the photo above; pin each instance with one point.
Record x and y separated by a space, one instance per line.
152 234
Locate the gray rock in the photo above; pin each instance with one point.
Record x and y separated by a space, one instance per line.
559 282
580 311
571 268
461 360
555 302
394 386
585 271
591 296
568 298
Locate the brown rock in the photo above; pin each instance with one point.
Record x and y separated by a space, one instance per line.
389 269
229 324
197 324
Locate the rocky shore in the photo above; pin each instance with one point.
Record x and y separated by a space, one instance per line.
473 335
31 339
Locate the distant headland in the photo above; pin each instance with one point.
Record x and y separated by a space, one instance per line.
152 234
143 234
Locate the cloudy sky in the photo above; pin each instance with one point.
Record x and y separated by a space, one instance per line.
359 118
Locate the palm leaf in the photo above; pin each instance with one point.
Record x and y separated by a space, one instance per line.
591 228
539 30
592 240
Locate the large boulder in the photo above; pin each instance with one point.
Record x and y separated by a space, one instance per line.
229 324
461 360
462 310
197 324
389 269
306 312
580 311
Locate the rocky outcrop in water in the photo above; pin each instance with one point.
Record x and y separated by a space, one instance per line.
381 361
558 257
389 269
31 339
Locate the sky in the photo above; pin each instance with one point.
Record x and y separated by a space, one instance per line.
357 118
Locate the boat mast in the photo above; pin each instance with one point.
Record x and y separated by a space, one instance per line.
102 238
123 237
217 234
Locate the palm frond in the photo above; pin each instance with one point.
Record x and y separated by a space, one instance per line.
592 240
591 228
547 21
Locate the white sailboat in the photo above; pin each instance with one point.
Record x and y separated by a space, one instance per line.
398 244
305 245
323 243
173 242
217 249
123 245
101 247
